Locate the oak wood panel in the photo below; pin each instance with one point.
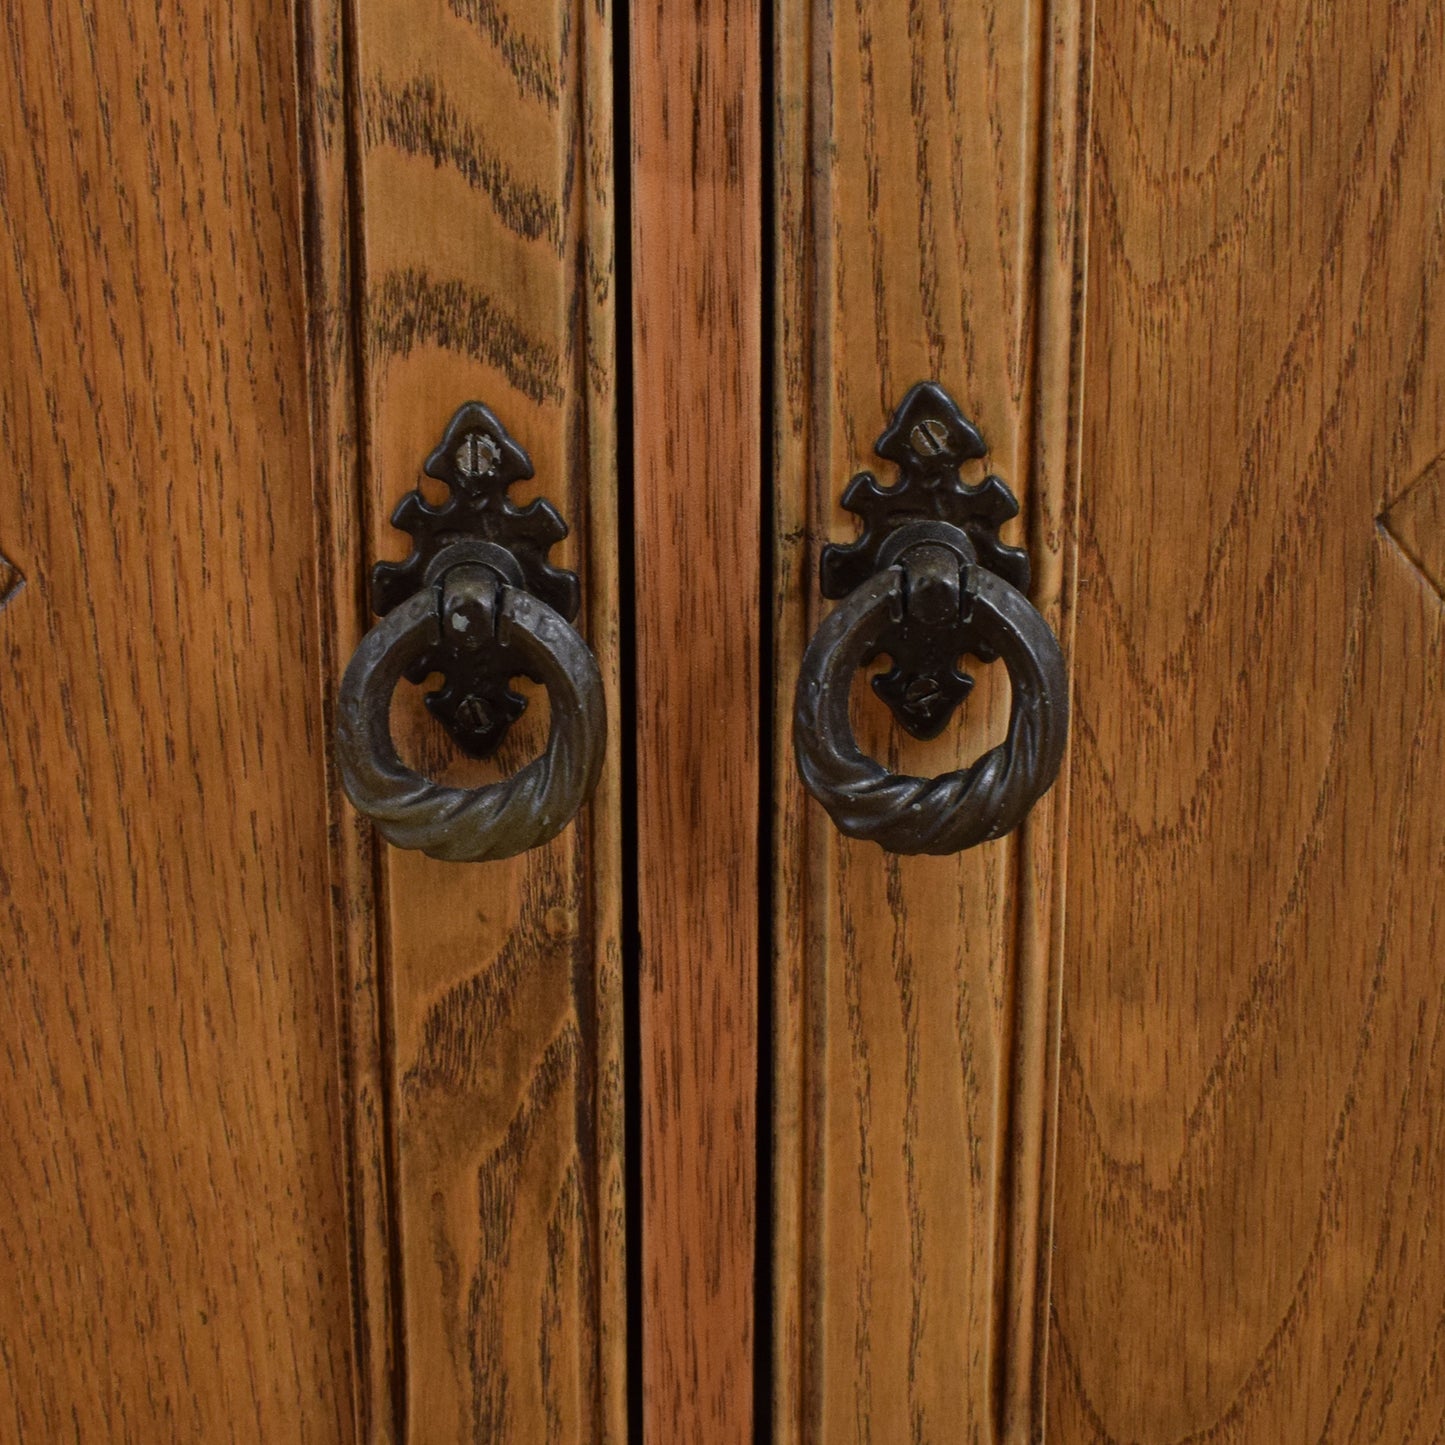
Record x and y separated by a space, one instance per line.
1251 1146
173 1257
916 999
483 269
696 328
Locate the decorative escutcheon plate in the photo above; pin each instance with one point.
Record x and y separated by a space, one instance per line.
478 523
928 439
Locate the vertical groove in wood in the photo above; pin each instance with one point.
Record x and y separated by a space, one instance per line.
331 204
1061 224
696 166
926 227
596 362
795 884
488 1167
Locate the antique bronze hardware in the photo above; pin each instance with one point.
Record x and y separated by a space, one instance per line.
927 581
478 602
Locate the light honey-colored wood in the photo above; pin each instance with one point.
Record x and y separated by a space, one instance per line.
698 408
928 203
1251 1156
474 240
173 1241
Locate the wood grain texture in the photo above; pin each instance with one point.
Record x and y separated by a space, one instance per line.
488 1198
173 1256
697 242
1251 1143
916 999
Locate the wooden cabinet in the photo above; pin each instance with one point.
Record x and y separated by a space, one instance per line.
701 1122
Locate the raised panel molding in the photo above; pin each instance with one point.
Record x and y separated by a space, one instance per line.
12 579
1417 522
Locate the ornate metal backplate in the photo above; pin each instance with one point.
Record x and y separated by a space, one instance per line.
928 439
478 523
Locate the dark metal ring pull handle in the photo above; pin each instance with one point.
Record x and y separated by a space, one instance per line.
927 581
478 602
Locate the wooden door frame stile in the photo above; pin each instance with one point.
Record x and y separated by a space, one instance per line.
697 361
335 288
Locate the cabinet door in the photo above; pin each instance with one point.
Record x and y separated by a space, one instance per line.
305 1138
1128 1128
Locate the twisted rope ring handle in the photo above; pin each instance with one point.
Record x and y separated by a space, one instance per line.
471 825
958 809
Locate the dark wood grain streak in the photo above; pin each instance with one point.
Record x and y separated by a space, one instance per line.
1251 1145
697 358
414 310
418 119
928 226
533 66
487 266
173 1242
